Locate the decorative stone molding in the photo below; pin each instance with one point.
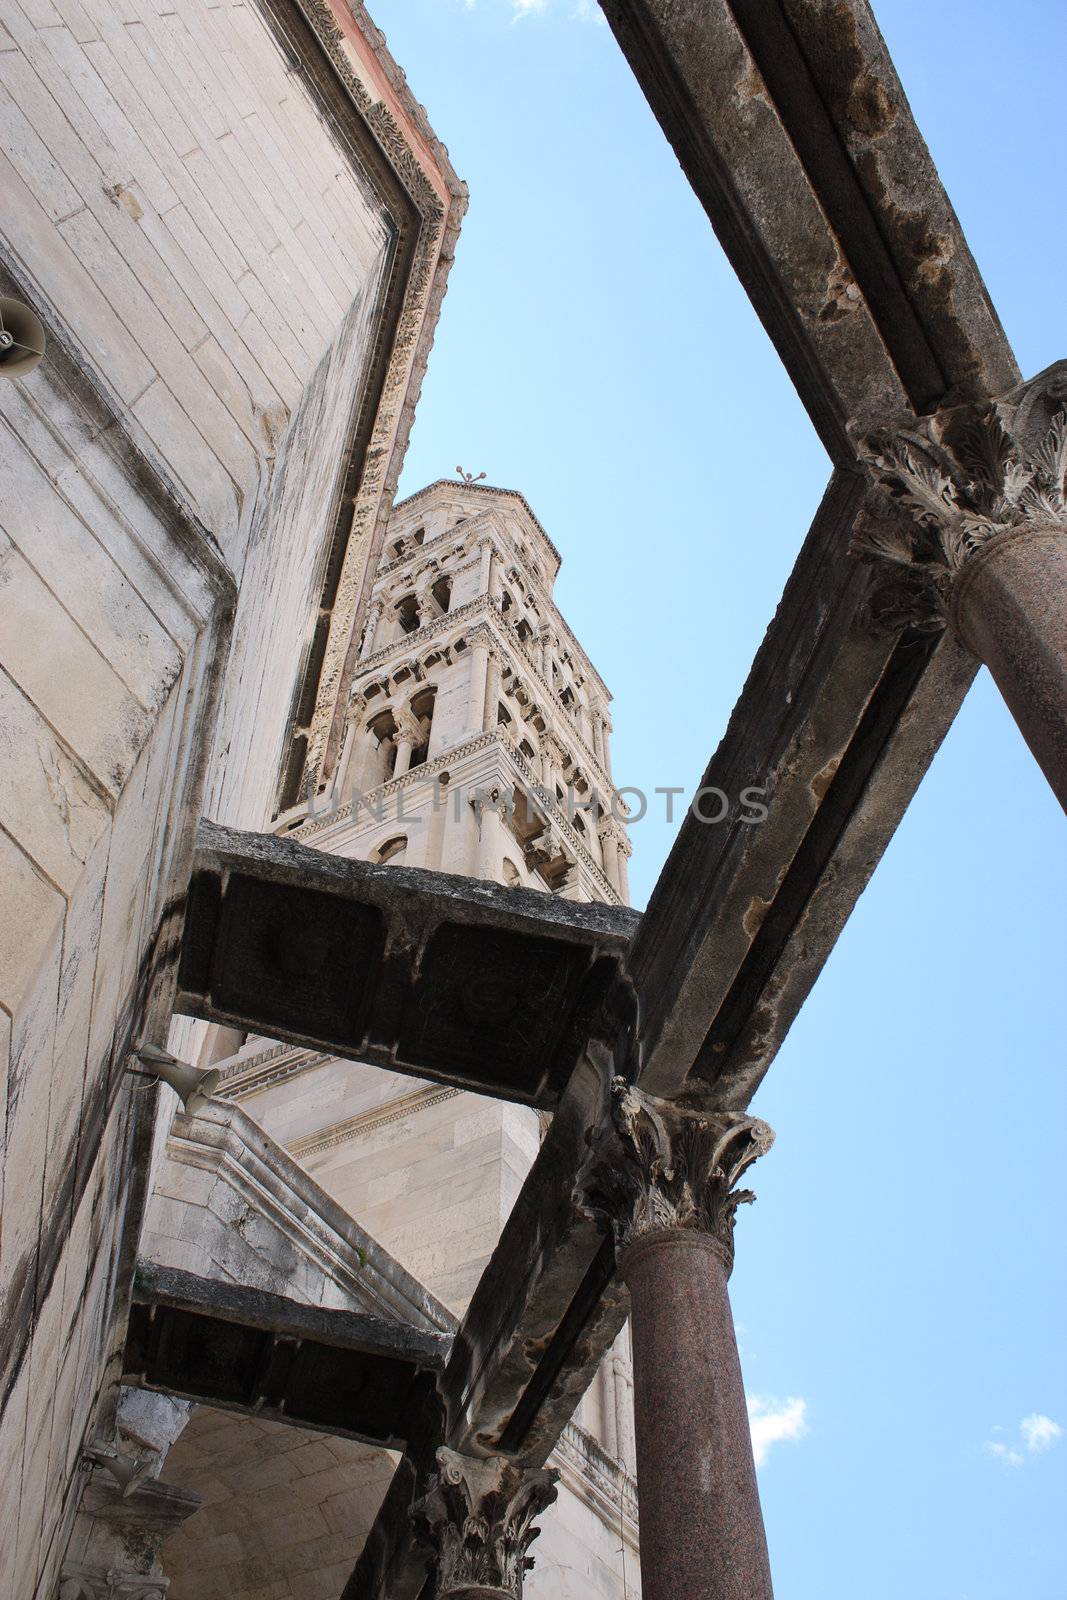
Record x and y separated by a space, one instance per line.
448 759
268 1223
965 476
598 1480
477 1516
77 1583
655 1168
368 1122
115 1542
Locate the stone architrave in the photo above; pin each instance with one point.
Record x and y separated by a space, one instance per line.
982 548
478 1517
663 1180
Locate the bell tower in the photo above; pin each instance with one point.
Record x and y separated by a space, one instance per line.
478 731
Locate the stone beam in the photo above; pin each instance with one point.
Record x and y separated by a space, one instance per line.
791 124
446 978
246 1350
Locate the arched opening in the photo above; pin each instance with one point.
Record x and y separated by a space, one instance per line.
392 850
407 613
422 709
442 593
381 730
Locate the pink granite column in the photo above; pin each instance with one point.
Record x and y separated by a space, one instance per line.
1009 607
701 1525
663 1179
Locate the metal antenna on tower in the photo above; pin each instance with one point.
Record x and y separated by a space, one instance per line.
468 477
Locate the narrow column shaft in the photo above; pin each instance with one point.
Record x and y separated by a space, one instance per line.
373 618
485 569
479 672
610 847
403 757
702 1532
492 695
1010 610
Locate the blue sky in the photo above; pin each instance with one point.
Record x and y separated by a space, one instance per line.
900 1284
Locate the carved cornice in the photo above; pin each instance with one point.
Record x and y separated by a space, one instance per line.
964 477
477 1516
654 1168
448 760
244 1075
602 1483
368 1122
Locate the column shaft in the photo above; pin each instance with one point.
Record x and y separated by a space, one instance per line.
403 757
610 848
479 672
492 695
1010 609
373 618
702 1532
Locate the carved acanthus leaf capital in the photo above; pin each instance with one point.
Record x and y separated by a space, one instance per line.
949 483
478 1515
654 1167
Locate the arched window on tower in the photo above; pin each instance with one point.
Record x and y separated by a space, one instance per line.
407 613
382 755
442 593
392 850
422 709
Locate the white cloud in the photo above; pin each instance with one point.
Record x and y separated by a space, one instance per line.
1035 1434
1003 1452
774 1420
526 8
1039 1432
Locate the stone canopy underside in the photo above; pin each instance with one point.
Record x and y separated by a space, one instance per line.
466 983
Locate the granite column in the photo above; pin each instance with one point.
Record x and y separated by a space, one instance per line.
663 1180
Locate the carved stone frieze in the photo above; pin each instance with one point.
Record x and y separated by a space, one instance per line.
478 1516
949 483
654 1167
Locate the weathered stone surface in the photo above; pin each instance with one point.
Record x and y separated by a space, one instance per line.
466 983
348 1373
477 1516
239 267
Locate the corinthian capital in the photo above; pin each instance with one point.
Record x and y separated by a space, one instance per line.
949 483
478 1517
655 1168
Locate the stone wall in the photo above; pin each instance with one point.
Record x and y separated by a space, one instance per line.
216 265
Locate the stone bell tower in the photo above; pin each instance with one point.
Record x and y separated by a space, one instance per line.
477 743
475 704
